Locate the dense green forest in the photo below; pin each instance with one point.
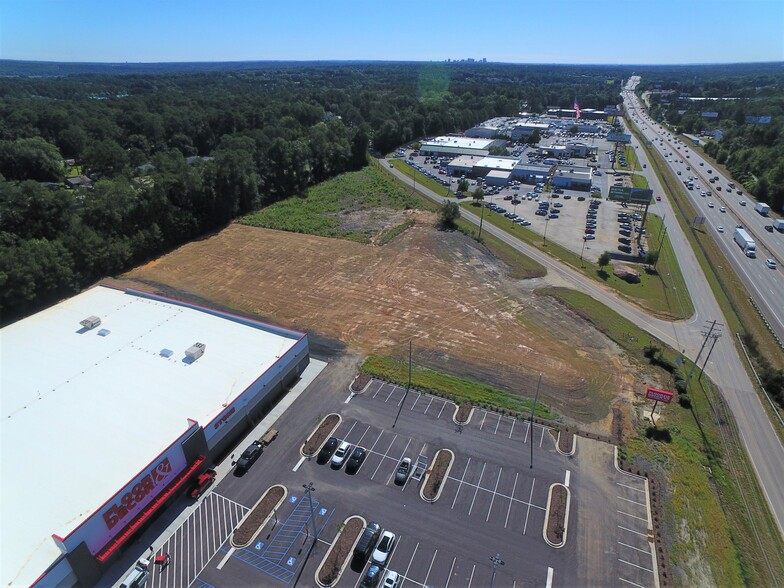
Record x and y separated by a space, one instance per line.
264 132
754 153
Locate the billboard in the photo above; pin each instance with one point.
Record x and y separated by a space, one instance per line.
659 395
619 138
633 195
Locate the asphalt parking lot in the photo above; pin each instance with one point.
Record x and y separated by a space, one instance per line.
493 502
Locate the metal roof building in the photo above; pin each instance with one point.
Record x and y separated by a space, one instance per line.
458 145
111 401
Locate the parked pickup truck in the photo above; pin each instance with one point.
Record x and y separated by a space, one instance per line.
204 481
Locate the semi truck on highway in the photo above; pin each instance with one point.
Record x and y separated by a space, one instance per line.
762 208
746 243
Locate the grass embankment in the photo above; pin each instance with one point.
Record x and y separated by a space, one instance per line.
663 292
451 387
632 162
323 210
715 511
727 287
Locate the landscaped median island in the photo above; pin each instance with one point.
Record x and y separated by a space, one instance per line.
557 518
360 382
319 436
255 520
439 472
339 552
566 441
463 413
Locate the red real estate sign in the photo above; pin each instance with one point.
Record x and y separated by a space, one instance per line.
659 395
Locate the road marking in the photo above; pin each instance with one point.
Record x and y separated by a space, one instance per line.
632 501
492 500
413 555
428 405
631 515
512 430
635 565
542 439
384 458
635 548
479 483
225 559
508 510
471 579
568 476
549 577
630 582
465 471
449 577
381 385
528 512
363 435
496 425
390 394
348 399
633 531
299 463
483 421
432 561
525 438
442 410
631 487
415 401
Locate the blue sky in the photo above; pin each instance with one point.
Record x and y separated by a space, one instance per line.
521 31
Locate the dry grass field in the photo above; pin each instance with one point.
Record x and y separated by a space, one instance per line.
441 289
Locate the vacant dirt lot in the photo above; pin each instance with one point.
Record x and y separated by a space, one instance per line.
440 289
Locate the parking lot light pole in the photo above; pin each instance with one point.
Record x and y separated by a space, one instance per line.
497 561
533 409
308 489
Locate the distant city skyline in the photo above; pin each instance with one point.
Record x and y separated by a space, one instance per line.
610 32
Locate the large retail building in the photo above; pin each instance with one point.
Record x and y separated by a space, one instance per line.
112 401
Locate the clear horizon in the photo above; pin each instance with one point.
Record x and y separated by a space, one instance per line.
607 33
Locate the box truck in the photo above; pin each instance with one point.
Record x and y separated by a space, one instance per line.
762 208
778 224
746 243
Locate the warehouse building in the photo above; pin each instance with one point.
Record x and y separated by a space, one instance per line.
498 177
462 165
486 165
459 146
112 401
574 178
531 173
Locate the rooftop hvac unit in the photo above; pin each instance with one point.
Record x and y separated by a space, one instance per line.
90 322
195 351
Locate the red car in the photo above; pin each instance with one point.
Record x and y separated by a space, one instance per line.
507 197
203 482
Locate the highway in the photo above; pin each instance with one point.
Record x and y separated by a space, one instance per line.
726 368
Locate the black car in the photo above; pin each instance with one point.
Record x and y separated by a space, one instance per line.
356 459
327 450
249 456
581 198
625 240
625 233
625 248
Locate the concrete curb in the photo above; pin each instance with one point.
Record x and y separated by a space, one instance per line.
302 448
347 560
566 515
446 476
354 392
264 524
454 415
574 445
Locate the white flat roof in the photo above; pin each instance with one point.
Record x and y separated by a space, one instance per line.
82 413
500 174
460 142
505 163
464 161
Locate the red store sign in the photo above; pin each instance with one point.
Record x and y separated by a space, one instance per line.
659 395
132 499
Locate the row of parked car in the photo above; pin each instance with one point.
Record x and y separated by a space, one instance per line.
422 169
339 453
377 545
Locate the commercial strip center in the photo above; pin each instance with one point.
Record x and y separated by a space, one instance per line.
103 423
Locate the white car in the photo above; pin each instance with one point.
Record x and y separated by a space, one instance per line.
391 580
722 209
710 204
340 455
384 548
771 263
720 229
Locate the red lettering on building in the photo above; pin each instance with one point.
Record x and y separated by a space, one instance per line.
131 499
224 418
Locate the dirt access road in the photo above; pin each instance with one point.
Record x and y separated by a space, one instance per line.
442 289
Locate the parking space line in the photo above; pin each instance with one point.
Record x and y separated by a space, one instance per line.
542 439
567 478
496 425
528 512
390 394
478 484
449 577
633 531
525 437
375 442
410 561
345 438
392 473
432 561
634 517
384 458
632 501
471 579
483 421
511 499
635 565
495 491
631 487
478 487
512 430
630 582
428 405
415 401
549 577
633 547
465 471
442 410
381 385
363 436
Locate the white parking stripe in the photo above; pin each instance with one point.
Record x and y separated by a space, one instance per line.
500 494
465 471
471 579
525 437
428 405
567 478
381 385
631 487
632 501
549 577
508 510
299 463
484 416
631 515
442 410
633 547
415 401
482 473
390 394
632 531
512 429
385 455
528 512
630 582
413 555
375 442
432 561
496 425
363 436
542 438
454 559
635 565
492 499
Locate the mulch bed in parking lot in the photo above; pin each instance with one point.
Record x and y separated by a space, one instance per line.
360 382
557 515
463 412
316 440
437 474
340 551
247 530
566 441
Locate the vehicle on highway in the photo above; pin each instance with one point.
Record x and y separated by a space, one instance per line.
710 204
371 578
744 240
384 548
720 229
340 455
327 450
249 456
722 209
355 461
771 263
403 470
658 199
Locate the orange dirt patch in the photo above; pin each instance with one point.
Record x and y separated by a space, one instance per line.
465 315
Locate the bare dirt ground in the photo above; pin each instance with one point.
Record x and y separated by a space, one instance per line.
441 289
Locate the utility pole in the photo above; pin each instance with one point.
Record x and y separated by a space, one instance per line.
481 220
407 387
536 397
715 338
308 489
497 561
697 359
